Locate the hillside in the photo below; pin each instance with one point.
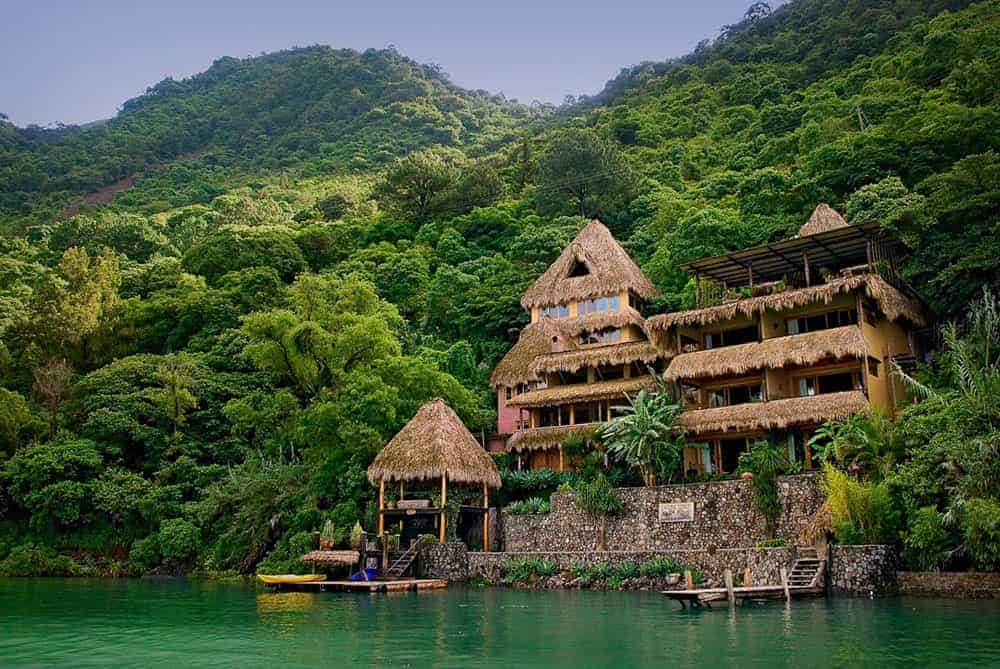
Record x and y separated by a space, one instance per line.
196 374
307 111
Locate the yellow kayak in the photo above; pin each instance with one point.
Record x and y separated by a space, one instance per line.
275 579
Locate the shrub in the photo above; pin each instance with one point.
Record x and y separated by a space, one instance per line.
145 553
861 513
529 506
659 566
772 543
981 532
597 497
522 570
564 488
625 570
179 543
766 460
32 560
926 541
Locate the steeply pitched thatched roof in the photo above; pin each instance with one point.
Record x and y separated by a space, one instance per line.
540 438
823 218
894 304
593 356
581 392
434 443
775 414
793 350
610 271
535 340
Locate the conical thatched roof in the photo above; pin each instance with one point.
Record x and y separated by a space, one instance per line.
824 218
610 270
433 444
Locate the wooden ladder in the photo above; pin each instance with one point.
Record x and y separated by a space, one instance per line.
403 562
807 570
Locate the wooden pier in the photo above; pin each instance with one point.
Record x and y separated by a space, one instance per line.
400 585
806 580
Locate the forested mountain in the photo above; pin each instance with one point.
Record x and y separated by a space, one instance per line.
311 110
196 374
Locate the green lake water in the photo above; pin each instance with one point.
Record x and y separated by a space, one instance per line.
166 623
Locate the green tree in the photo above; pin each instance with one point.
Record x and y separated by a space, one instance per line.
417 186
644 435
175 398
581 172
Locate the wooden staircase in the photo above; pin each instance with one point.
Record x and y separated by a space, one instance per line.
402 562
807 570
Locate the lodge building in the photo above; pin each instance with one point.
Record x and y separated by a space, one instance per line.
784 337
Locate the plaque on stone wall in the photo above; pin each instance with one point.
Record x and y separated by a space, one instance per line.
676 512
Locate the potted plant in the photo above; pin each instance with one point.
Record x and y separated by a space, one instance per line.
327 537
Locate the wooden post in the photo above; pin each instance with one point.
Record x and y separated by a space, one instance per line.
444 503
784 584
486 519
727 576
688 580
747 581
381 507
750 274
805 261
561 462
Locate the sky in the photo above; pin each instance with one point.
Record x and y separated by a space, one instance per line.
78 60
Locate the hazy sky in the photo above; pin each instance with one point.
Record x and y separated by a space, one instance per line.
78 60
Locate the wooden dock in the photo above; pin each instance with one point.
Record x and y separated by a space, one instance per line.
400 585
806 579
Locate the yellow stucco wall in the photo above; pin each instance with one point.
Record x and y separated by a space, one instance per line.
773 322
885 339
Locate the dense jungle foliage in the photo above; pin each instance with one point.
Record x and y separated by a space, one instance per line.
310 244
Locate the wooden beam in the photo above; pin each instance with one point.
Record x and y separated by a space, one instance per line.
486 518
784 585
381 507
562 465
444 503
727 576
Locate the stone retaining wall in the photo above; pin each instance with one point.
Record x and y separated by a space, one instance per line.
864 570
724 516
764 563
964 585
446 561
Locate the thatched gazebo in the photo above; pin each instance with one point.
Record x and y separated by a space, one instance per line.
434 445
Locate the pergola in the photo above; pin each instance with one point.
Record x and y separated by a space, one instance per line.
434 446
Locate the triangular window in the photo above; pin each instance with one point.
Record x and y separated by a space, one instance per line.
579 268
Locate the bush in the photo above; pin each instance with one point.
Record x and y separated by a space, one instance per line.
772 543
145 553
522 570
597 497
926 541
529 506
981 533
861 513
179 542
519 485
31 560
659 566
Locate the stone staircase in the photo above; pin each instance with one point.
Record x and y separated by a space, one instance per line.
807 570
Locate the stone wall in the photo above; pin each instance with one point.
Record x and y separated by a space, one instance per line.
965 585
864 570
447 561
764 563
724 516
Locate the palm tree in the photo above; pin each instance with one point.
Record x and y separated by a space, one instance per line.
644 435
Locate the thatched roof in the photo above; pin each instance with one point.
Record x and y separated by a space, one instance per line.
775 414
793 350
345 558
823 219
581 392
611 271
592 356
893 303
541 438
433 444
599 320
535 340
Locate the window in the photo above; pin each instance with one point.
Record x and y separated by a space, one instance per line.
579 268
508 392
582 413
599 304
824 321
833 382
742 335
606 336
569 378
730 395
609 372
555 311
873 366
730 450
